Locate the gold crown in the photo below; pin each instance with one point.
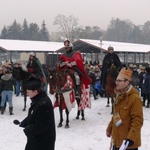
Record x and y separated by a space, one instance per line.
126 72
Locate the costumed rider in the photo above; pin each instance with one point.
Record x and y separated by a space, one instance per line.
73 60
35 68
110 59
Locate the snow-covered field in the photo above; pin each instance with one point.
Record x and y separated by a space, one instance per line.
82 135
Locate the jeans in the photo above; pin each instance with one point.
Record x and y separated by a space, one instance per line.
8 95
18 86
93 90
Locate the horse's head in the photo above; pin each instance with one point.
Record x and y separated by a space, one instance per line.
57 79
111 81
113 72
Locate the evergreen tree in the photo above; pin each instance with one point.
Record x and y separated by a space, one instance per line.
14 31
25 31
34 32
44 32
4 33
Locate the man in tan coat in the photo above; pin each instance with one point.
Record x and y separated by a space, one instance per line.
127 120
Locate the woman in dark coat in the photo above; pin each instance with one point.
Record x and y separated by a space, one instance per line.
39 125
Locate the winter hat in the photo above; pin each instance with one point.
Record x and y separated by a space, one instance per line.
67 43
32 54
32 83
110 48
125 73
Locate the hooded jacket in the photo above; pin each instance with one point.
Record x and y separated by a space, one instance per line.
129 107
7 82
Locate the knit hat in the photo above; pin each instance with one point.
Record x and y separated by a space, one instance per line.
32 83
125 73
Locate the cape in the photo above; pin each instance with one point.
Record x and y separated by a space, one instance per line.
86 80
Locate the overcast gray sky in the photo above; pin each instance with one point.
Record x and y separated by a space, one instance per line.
89 12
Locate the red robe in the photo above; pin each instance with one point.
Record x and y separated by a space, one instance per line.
86 80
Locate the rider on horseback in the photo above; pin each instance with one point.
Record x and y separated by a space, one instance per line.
35 68
110 59
73 60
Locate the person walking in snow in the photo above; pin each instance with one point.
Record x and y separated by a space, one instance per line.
39 125
127 120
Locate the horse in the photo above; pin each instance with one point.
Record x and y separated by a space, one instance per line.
61 83
24 75
110 85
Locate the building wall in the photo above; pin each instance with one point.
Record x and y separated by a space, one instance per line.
40 56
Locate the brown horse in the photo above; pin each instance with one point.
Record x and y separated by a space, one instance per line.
110 85
61 83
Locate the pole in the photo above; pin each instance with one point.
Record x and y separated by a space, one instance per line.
101 52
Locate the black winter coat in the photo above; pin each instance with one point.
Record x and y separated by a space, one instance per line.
146 84
16 73
108 60
39 125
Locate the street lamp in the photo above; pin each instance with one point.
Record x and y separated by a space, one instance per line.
101 52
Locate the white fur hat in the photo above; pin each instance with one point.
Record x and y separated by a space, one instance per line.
32 54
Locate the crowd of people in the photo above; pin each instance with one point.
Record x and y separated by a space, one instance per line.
132 92
11 79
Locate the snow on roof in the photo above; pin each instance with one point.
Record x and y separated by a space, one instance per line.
120 46
25 45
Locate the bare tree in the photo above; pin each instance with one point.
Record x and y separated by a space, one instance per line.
67 25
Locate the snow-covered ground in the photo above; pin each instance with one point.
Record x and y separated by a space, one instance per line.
82 135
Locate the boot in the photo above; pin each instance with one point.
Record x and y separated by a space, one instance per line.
2 110
11 110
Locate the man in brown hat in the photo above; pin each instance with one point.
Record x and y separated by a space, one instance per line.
39 125
127 120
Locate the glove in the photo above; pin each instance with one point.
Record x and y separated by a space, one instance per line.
16 122
125 144
30 70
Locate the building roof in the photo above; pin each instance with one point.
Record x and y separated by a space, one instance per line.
119 46
25 45
94 46
83 45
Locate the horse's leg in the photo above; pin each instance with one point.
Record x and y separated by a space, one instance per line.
78 112
61 116
67 118
82 114
108 102
112 102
